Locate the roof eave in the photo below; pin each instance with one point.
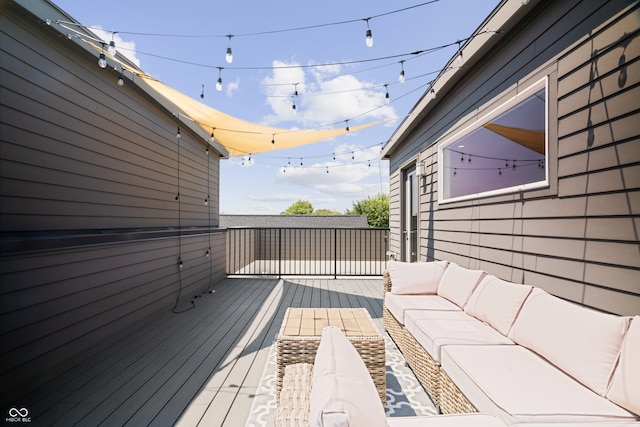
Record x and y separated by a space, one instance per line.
502 19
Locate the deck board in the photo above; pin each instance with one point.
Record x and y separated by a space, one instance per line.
200 367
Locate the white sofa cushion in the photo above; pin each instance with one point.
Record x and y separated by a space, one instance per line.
517 385
584 343
625 386
417 278
399 304
497 302
342 391
458 283
435 329
454 420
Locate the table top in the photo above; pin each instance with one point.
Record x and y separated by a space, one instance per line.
309 322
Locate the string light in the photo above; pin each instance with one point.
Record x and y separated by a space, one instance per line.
432 93
273 139
219 82
178 135
347 128
401 76
112 45
202 93
102 59
386 95
229 56
460 59
368 35
121 78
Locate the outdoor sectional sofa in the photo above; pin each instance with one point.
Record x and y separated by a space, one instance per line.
337 390
481 344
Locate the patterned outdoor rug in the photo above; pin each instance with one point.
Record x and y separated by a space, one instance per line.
405 395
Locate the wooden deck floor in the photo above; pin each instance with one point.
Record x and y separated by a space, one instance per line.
200 367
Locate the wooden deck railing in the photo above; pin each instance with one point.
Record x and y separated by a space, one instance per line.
307 251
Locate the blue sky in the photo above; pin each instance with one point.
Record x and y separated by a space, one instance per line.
182 44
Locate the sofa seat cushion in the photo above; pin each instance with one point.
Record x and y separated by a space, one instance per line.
435 329
497 302
625 386
583 342
342 391
399 304
455 420
517 385
415 278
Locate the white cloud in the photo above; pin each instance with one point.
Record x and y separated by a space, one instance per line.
233 86
325 96
279 197
351 174
125 48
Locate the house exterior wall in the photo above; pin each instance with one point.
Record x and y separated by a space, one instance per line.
579 237
91 230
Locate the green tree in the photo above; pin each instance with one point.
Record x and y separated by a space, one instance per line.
326 212
301 207
375 208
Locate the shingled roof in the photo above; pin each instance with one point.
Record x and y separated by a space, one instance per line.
294 221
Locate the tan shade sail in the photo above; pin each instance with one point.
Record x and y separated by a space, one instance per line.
241 137
532 139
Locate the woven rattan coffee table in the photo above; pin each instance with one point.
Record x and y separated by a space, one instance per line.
300 334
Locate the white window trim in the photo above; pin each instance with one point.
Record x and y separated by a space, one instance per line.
542 83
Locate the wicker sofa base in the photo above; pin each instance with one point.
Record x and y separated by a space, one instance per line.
442 390
452 401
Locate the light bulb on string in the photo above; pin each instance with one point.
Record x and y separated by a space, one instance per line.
347 128
432 93
121 79
368 35
401 76
229 56
219 81
102 59
178 135
202 92
386 95
273 139
112 48
212 138
460 58
295 89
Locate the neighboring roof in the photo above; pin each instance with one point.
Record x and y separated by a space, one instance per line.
294 221
501 20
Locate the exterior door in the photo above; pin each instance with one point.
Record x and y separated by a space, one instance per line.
410 216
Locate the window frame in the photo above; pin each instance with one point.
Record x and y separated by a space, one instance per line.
509 103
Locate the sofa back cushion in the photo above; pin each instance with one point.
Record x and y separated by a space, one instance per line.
625 386
497 302
584 343
458 283
342 391
416 278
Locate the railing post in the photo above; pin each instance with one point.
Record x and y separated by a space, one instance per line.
279 253
335 253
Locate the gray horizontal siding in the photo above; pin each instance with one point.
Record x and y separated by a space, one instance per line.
579 238
91 230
